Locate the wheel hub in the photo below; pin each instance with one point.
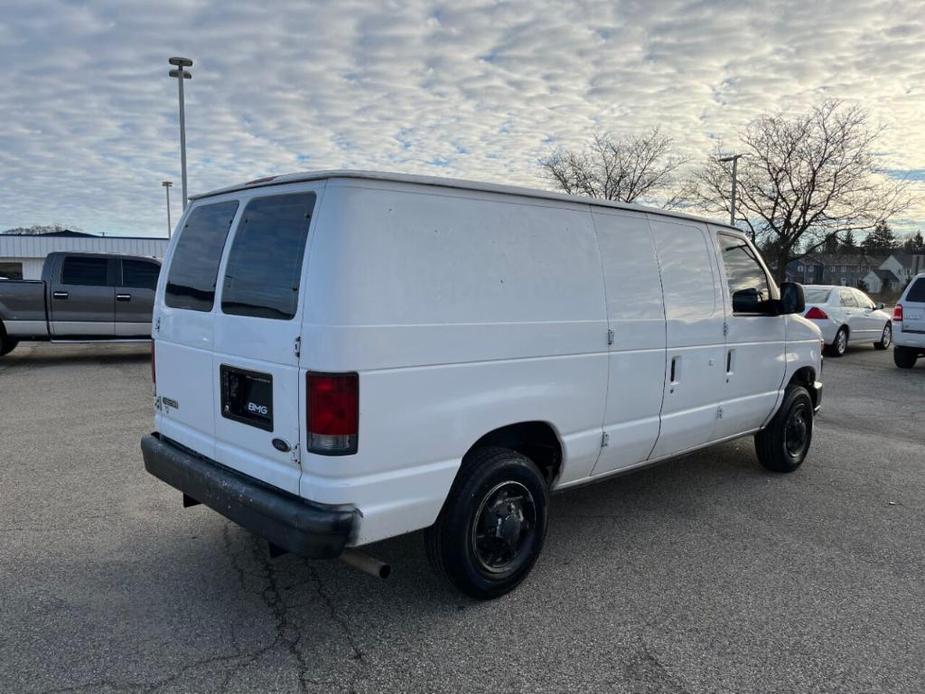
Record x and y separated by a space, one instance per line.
795 433
503 526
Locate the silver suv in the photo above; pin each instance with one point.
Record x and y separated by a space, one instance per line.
909 324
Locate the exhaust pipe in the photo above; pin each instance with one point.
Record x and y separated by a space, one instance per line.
366 564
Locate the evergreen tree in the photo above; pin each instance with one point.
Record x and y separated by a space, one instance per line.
880 239
914 243
848 244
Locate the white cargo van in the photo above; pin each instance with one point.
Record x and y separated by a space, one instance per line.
343 357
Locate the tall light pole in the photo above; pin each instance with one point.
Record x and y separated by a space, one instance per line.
167 185
735 161
181 73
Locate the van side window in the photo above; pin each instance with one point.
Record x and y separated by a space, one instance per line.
140 274
748 283
194 268
90 272
265 262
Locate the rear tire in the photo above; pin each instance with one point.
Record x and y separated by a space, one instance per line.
886 337
783 444
492 526
7 345
840 344
904 357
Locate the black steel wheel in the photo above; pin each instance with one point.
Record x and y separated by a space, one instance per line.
783 444
492 526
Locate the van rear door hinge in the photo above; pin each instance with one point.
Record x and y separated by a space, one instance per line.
725 328
610 336
296 455
605 440
297 347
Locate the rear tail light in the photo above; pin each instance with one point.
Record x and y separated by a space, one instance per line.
816 313
898 313
333 412
153 362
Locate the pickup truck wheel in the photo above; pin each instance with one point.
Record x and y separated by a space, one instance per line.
886 337
904 357
7 345
491 529
783 444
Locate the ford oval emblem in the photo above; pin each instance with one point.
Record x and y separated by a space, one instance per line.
281 445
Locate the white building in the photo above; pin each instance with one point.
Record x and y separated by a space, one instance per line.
22 255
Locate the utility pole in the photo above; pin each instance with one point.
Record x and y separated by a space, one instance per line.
167 185
735 165
181 73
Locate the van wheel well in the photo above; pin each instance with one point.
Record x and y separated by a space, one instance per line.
805 376
536 440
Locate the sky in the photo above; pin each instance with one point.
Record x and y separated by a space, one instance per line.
479 90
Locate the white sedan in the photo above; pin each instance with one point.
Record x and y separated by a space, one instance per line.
847 315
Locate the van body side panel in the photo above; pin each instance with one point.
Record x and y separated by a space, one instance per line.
694 370
636 315
462 313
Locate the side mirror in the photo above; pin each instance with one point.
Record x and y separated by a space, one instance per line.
878 306
791 298
746 301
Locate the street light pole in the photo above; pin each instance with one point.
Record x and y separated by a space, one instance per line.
181 73
167 185
735 165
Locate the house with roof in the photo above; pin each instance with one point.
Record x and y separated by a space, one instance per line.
845 269
894 273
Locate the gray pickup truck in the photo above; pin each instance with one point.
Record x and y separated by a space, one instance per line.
81 297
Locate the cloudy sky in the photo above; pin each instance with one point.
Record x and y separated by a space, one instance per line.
88 122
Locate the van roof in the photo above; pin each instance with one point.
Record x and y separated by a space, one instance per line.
448 183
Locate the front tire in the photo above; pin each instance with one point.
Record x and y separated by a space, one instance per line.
886 337
904 357
783 444
492 526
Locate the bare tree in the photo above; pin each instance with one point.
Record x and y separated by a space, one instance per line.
804 180
629 169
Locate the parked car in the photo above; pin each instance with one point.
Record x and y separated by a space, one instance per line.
847 316
909 318
81 297
343 357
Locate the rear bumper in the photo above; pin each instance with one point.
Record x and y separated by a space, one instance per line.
290 522
913 340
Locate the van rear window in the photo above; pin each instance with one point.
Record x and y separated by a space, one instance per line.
194 268
265 262
917 291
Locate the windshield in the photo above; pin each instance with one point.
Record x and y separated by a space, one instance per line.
816 295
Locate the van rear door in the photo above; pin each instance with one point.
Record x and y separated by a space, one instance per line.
184 327
255 364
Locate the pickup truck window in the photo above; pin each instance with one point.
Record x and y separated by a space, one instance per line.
748 283
89 272
140 274
194 268
265 262
11 271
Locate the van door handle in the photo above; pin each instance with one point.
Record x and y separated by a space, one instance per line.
123 297
675 370
60 295
729 361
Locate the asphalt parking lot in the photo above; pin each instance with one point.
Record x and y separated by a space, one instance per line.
706 574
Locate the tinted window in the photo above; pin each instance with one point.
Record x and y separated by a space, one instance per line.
194 268
141 274
748 283
917 291
816 295
847 299
91 272
265 261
